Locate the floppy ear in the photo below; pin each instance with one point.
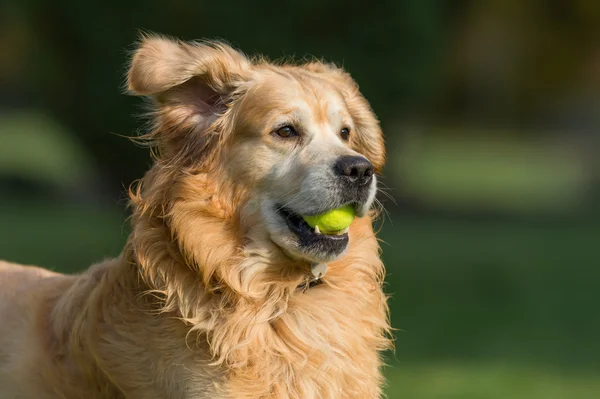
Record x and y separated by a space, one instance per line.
191 84
368 138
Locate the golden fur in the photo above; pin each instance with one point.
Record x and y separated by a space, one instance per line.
202 303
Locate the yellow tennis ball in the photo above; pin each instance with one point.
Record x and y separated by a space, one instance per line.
332 221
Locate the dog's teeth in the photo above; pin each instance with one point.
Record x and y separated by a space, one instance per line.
317 229
341 232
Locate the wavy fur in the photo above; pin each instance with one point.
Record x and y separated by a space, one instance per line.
201 303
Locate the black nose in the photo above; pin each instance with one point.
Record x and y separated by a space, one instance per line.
357 169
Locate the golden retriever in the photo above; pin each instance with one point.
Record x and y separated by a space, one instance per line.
222 290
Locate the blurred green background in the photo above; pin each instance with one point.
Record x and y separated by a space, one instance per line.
492 189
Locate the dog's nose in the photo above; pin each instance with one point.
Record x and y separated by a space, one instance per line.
357 169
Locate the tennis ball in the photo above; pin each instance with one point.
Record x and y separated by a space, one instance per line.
332 221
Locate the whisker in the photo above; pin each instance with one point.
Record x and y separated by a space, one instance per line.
385 211
389 196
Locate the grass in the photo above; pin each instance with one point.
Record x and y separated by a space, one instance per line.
59 237
487 381
494 289
491 169
485 309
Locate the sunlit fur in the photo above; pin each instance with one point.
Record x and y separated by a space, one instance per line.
202 302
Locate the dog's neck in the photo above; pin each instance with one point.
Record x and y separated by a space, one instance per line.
241 294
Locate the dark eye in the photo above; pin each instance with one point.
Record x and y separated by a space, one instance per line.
286 132
345 133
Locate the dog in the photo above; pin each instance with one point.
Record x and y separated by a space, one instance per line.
222 289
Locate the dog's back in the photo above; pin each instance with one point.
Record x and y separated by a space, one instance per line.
24 295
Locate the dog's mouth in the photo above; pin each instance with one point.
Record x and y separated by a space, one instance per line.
311 239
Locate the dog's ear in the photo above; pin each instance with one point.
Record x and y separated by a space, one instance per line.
368 138
160 64
190 83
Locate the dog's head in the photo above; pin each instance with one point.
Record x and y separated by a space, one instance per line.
300 139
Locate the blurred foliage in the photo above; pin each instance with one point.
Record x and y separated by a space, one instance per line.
477 62
35 147
71 55
464 171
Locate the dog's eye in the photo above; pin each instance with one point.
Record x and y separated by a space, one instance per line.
345 133
286 132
